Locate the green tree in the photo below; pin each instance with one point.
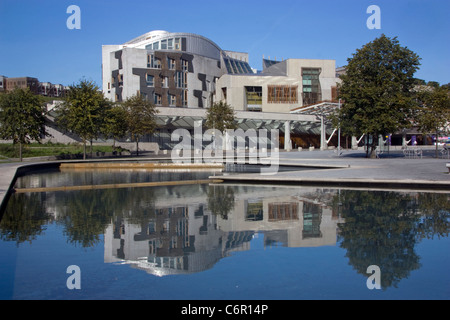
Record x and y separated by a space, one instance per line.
22 117
220 116
84 111
433 113
377 90
141 118
116 125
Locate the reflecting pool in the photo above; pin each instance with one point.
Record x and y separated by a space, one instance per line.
220 241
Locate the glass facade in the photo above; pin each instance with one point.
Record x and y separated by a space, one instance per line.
165 44
254 98
311 85
235 66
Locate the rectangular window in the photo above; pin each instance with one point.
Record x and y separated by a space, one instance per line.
282 94
171 63
152 62
157 99
177 44
156 46
254 98
311 86
150 80
172 100
185 65
163 44
170 44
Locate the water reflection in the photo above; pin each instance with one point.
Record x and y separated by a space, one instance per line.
188 229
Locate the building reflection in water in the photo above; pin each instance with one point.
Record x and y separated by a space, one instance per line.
186 236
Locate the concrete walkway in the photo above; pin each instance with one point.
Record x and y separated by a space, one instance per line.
351 168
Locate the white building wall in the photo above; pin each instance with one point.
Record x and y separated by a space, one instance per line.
292 70
132 58
109 63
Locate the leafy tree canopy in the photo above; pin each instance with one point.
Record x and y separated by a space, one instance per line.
22 117
84 111
377 89
220 116
141 117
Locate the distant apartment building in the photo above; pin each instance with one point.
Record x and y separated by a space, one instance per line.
2 83
48 89
40 88
23 83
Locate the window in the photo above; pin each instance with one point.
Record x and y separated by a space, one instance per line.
185 65
150 80
163 44
157 99
170 44
282 94
177 44
283 211
156 46
152 62
224 93
184 101
172 100
171 63
254 98
311 85
181 79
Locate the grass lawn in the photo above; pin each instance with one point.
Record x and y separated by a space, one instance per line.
49 149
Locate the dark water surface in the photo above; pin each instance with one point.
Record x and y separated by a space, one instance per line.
220 241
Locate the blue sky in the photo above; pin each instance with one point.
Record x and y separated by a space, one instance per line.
35 41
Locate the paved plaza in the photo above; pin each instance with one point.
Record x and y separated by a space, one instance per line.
351 167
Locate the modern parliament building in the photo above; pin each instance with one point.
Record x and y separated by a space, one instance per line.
183 74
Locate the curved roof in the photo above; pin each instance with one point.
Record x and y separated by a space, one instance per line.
153 36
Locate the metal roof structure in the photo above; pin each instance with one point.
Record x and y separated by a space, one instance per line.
323 108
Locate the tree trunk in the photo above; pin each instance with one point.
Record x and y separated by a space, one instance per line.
437 142
372 146
137 147
84 149
20 151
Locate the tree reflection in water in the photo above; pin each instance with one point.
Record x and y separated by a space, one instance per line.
383 229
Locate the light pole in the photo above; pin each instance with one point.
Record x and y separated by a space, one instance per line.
339 133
